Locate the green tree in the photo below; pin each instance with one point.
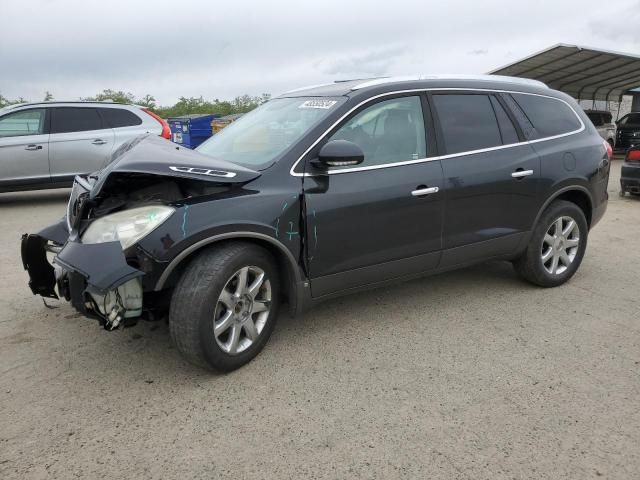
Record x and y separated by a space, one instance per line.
148 101
184 105
117 96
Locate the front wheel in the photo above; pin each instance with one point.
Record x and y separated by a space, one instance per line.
557 246
225 306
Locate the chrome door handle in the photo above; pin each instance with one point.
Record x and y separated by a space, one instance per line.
425 191
522 173
33 147
98 141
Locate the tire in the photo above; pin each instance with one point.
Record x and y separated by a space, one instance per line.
535 268
207 296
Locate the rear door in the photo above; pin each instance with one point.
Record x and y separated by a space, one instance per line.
491 177
80 142
24 148
369 223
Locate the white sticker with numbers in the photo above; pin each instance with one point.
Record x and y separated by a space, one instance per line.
318 103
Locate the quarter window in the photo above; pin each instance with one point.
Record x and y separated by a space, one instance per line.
24 122
75 119
468 122
596 119
390 131
549 116
119 117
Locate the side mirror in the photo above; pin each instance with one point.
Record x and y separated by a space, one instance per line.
340 153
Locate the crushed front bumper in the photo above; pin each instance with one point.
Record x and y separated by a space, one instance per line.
95 278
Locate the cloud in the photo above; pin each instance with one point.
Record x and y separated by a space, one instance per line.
75 48
374 63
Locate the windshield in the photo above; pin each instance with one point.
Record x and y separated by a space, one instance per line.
258 138
631 119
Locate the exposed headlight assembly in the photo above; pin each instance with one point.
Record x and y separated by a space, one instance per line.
127 226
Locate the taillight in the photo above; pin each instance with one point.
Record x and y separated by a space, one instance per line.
609 148
633 156
166 131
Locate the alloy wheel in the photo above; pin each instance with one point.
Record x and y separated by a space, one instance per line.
560 245
242 310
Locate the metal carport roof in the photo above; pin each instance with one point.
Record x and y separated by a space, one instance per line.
584 73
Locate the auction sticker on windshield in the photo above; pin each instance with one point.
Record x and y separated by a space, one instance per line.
324 104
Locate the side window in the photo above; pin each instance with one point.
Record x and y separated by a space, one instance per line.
24 122
549 116
119 117
468 122
74 119
507 130
387 132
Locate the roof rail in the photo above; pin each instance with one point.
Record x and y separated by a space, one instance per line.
486 78
48 102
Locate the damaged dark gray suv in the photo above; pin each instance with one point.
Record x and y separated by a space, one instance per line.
321 192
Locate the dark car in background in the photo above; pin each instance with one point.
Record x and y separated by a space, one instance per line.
322 192
630 172
628 134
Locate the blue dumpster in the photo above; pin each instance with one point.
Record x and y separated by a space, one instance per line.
191 130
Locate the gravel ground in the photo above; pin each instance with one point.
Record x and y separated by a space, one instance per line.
471 374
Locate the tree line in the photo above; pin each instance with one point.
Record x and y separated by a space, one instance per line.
184 106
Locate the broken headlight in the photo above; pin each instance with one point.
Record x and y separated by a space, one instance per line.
127 226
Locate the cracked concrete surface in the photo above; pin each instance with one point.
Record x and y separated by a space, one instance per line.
467 375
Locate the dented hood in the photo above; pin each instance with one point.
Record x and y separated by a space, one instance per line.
153 155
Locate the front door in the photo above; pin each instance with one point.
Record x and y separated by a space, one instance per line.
381 219
79 142
24 148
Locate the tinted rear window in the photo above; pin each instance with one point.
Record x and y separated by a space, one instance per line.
596 118
74 119
549 116
468 122
119 117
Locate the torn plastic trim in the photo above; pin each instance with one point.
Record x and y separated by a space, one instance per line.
42 279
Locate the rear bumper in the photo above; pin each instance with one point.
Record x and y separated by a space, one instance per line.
630 178
624 143
96 278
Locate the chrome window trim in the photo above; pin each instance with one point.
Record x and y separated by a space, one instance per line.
430 159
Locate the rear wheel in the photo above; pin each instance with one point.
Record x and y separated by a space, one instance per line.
557 246
225 306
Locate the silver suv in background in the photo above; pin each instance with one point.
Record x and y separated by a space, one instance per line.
45 145
603 121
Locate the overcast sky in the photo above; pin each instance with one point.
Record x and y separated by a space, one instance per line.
224 48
